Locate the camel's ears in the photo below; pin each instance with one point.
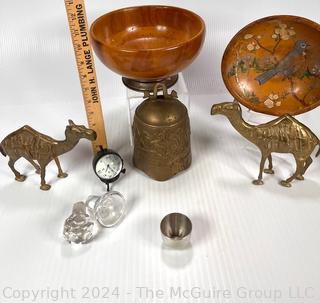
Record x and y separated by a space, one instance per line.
71 123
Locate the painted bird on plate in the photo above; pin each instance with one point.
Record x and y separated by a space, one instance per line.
288 65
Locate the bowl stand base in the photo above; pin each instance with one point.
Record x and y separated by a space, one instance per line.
142 86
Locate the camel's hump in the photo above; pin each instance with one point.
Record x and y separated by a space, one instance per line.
283 119
28 131
286 120
283 124
44 137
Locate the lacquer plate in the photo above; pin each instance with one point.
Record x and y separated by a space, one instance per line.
272 65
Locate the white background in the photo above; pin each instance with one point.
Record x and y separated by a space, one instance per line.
260 238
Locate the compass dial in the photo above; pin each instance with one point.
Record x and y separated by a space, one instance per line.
109 166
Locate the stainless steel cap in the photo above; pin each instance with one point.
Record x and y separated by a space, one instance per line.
176 230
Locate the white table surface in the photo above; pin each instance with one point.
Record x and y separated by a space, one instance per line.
264 239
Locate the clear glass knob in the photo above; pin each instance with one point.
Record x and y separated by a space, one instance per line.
109 209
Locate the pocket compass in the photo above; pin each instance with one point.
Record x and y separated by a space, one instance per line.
108 166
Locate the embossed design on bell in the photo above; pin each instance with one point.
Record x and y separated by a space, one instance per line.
161 130
282 135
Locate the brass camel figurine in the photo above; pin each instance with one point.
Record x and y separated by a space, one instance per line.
282 135
33 146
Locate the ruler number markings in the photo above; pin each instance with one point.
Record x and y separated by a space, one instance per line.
84 56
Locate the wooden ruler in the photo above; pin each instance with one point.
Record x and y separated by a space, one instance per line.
79 29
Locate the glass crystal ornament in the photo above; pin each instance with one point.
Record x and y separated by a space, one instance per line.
78 228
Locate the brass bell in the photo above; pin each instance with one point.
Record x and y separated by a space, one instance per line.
161 130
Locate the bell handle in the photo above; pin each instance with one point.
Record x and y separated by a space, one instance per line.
158 87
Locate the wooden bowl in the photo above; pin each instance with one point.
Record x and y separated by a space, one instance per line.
273 66
148 43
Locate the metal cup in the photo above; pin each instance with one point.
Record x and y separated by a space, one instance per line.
176 230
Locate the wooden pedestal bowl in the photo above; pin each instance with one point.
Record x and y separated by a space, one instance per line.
148 44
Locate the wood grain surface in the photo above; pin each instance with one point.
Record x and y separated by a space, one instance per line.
148 42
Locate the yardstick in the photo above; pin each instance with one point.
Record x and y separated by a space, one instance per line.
78 25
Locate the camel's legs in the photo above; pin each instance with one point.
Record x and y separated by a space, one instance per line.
44 186
34 164
306 166
61 174
19 177
269 170
301 163
262 162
